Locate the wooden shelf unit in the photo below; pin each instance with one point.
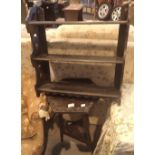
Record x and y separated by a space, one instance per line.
36 25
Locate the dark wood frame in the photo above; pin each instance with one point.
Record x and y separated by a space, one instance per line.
36 24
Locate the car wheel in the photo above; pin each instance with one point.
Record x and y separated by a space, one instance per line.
116 13
104 10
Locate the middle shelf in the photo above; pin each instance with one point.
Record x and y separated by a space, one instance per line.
76 59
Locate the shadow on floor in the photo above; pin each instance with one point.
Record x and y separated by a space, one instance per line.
70 146
58 147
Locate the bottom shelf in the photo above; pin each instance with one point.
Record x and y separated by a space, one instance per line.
78 88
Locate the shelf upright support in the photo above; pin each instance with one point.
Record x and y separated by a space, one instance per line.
39 45
121 47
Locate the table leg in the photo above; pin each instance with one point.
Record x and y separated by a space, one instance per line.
86 127
46 126
61 124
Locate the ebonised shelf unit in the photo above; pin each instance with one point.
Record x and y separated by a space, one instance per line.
40 58
36 25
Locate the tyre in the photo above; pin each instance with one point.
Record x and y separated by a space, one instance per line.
116 13
104 11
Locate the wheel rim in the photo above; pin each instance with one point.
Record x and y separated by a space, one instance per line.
116 14
103 11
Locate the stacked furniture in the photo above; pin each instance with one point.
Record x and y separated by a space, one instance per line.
32 131
52 9
40 57
73 12
90 7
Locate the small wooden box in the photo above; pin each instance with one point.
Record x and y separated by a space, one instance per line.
73 12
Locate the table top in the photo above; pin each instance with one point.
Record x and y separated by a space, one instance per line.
59 104
73 7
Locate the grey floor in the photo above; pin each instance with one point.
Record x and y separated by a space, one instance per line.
69 146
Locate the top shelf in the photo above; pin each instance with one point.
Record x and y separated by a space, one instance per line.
76 22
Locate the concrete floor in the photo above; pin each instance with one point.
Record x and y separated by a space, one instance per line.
69 146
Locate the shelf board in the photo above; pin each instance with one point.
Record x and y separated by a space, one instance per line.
79 59
79 89
76 22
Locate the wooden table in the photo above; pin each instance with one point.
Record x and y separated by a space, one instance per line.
73 12
78 129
